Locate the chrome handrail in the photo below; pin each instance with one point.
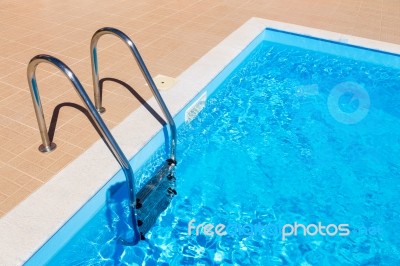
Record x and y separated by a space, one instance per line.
143 69
106 135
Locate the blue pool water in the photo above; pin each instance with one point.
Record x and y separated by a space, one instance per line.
290 136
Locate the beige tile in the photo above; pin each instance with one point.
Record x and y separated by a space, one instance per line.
201 7
220 11
221 29
65 147
16 176
16 80
9 49
390 38
33 184
60 164
45 175
8 66
78 51
82 37
6 90
8 187
152 17
367 33
35 38
14 200
390 22
177 4
33 24
13 33
55 45
282 5
25 166
57 31
5 155
33 156
164 11
87 140
170 71
56 18
6 16
178 60
150 53
3 197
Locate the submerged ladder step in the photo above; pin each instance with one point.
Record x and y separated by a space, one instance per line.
155 197
153 214
152 184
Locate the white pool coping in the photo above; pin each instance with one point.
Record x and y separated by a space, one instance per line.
30 224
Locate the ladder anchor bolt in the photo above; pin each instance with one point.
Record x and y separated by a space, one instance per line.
172 162
171 191
138 204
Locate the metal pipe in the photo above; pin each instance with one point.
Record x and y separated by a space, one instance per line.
101 126
143 69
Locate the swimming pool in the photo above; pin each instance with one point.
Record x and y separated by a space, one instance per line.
287 136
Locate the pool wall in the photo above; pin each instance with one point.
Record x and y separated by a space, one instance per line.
28 226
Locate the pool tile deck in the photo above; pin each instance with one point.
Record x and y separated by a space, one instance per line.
171 35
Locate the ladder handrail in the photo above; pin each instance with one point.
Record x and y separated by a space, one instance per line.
143 69
106 135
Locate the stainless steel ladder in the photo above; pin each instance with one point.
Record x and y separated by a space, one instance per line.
156 195
143 69
48 146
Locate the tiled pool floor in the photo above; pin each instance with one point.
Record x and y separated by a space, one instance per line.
171 35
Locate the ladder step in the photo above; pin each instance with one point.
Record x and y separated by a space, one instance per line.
154 213
152 184
155 197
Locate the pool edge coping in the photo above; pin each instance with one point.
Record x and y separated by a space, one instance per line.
30 220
